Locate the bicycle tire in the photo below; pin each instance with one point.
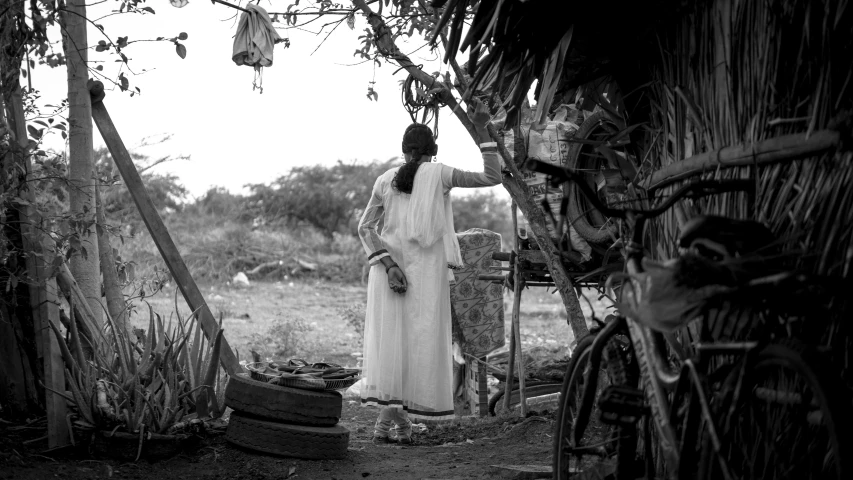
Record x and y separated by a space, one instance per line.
584 219
624 462
825 432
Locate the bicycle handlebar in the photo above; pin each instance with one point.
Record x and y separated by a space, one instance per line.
694 190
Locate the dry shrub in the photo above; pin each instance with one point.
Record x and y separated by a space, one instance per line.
354 316
285 338
217 252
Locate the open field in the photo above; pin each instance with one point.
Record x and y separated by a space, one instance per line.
311 309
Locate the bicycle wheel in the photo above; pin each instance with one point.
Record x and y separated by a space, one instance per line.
607 446
583 157
782 418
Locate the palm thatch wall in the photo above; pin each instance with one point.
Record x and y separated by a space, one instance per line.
767 84
743 72
750 73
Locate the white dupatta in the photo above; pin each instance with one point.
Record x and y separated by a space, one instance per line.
430 215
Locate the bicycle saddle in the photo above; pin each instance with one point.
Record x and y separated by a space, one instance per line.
737 237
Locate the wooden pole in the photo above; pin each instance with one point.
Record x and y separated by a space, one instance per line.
42 289
54 365
515 347
116 305
516 322
157 229
772 150
516 303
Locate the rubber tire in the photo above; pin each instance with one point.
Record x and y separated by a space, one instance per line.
283 404
578 217
627 444
835 401
315 443
496 398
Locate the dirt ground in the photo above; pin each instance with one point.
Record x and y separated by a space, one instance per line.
464 450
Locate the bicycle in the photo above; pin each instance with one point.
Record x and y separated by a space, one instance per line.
715 408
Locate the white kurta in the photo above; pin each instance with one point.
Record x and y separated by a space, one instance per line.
407 338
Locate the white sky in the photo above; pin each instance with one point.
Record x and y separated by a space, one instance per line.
313 108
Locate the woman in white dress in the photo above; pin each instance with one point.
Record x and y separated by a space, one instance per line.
407 335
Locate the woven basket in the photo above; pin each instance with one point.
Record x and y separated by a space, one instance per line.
304 382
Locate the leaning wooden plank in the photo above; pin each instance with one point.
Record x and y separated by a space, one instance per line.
158 230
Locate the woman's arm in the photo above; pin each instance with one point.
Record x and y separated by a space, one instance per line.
491 174
368 227
371 241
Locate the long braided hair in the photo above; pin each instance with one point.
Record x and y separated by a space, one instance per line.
417 141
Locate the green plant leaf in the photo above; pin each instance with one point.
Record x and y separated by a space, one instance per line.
181 50
212 368
83 405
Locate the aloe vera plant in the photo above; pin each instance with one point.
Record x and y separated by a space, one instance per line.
148 384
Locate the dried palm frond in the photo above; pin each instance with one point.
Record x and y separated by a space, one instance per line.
525 40
740 72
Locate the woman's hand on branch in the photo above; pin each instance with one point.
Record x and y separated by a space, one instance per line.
478 113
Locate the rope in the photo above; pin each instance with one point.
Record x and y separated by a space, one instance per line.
427 106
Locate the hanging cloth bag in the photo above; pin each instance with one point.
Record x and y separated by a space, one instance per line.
254 41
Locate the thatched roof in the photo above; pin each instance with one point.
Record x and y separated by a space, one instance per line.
621 38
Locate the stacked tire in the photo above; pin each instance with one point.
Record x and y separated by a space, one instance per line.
285 421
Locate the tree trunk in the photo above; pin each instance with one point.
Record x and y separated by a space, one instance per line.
85 264
20 303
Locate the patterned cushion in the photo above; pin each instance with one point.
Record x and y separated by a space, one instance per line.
478 305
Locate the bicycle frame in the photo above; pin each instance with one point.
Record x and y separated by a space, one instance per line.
650 346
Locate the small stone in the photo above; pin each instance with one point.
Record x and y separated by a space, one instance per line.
240 280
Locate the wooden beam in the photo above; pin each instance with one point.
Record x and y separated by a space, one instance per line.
772 150
157 229
516 328
54 365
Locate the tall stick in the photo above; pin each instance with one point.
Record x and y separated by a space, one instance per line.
112 291
516 319
516 303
